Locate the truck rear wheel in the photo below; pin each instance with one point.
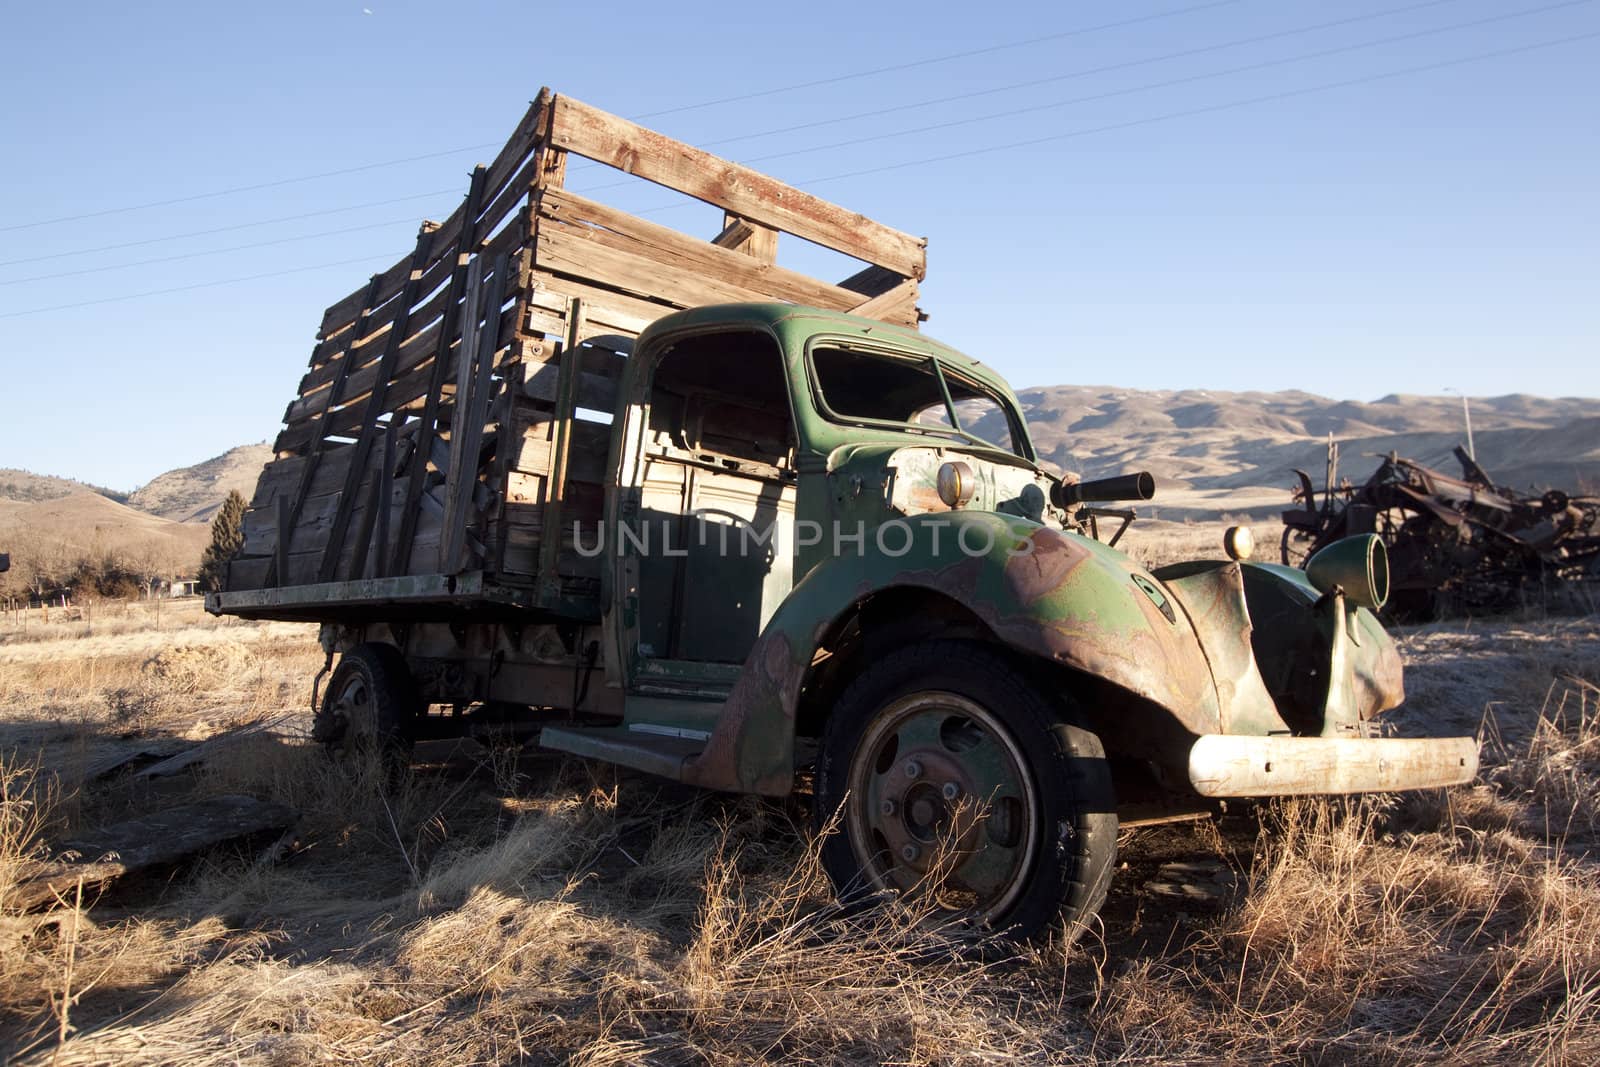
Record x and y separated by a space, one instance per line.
371 704
952 774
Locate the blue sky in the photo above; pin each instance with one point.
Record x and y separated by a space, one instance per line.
1433 229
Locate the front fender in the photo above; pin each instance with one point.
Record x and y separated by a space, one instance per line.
1058 596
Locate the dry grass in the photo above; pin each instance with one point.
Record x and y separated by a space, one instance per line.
1154 543
549 912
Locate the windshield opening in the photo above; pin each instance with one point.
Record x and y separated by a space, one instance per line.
912 392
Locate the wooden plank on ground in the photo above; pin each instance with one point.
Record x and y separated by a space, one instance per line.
198 754
153 840
629 147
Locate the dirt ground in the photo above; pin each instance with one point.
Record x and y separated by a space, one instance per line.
510 906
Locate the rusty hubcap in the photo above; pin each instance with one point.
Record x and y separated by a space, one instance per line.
942 801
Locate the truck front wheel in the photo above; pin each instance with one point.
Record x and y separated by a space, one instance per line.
952 775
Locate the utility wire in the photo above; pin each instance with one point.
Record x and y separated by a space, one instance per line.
914 105
227 229
990 149
1227 105
914 64
1084 72
239 189
191 198
208 252
1263 65
198 285
1188 79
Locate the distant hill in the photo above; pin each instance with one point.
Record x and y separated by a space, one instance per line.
193 494
1213 453
1217 452
50 533
25 486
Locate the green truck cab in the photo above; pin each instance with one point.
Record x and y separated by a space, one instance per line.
829 547
769 547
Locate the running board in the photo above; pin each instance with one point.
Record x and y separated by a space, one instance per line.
655 753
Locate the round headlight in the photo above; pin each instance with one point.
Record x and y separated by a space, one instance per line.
1238 542
956 484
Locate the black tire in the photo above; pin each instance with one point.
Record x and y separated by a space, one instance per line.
371 700
975 701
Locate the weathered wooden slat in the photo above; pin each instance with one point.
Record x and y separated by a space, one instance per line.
606 138
281 476
748 238
897 305
563 443
518 146
587 462
662 246
330 352
373 504
412 353
472 385
374 408
595 392
872 281
610 311
411 380
433 392
346 310
414 348
563 252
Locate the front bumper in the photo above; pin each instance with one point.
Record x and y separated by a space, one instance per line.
1222 765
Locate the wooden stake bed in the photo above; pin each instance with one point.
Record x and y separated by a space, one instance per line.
457 405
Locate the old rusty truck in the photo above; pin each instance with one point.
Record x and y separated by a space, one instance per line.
656 500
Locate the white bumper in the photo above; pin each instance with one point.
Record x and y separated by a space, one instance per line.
1222 765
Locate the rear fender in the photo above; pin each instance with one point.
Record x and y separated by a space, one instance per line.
1060 597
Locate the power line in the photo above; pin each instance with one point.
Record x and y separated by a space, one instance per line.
226 229
871 114
1263 65
1156 16
209 252
1146 87
1010 146
240 189
1082 73
1246 102
914 64
198 285
842 144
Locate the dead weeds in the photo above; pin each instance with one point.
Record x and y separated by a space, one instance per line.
550 912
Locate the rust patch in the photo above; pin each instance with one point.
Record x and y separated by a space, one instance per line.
733 759
1046 568
1379 678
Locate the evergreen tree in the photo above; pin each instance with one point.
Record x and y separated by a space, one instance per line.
227 538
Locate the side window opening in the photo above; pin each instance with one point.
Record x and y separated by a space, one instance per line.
719 489
725 397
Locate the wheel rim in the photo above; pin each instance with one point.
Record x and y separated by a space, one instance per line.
1296 547
353 705
941 800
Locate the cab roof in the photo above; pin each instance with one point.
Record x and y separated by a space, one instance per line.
792 319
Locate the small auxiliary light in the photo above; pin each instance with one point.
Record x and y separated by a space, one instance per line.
956 484
1238 542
